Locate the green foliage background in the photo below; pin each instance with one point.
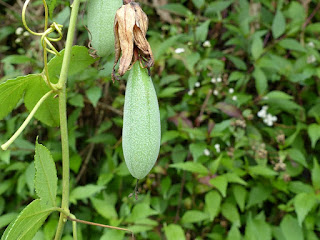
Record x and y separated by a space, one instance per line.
227 169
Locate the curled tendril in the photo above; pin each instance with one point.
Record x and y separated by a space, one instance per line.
45 39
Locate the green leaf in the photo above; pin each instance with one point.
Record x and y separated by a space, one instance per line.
221 183
161 49
292 44
80 60
240 194
212 203
170 92
104 208
48 112
28 222
261 80
234 178
258 195
51 6
202 31
291 229
46 179
193 216
113 234
262 170
169 135
198 3
197 149
278 24
257 229
297 156
191 167
174 232
94 94
303 203
314 133
12 91
315 174
140 211
256 47
177 8
234 233
84 192
230 212
191 60
217 6
5 219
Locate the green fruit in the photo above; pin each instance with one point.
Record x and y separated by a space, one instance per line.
141 131
101 15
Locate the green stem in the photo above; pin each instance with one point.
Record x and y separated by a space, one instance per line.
63 118
26 122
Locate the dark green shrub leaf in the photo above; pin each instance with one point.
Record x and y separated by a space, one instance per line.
174 232
314 133
290 228
193 216
220 183
303 203
191 167
212 203
178 9
278 24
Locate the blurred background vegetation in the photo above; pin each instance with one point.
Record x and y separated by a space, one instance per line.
238 83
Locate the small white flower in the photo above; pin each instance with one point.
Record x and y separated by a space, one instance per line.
234 98
265 107
206 152
197 84
215 92
189 43
190 92
206 44
18 40
262 114
19 30
217 147
311 59
26 34
179 50
213 80
231 90
219 79
311 44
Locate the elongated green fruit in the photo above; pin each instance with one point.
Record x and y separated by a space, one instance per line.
101 15
141 123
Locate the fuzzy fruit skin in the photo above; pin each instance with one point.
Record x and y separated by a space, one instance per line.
141 132
101 15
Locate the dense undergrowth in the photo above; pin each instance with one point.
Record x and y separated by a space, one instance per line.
238 84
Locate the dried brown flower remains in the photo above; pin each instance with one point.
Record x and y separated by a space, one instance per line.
130 28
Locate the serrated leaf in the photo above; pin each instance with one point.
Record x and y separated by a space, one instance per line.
46 179
170 92
26 225
258 195
220 183
314 133
174 232
290 228
48 112
80 60
257 229
278 24
234 233
140 211
256 47
191 167
193 216
303 203
262 170
297 156
12 91
212 203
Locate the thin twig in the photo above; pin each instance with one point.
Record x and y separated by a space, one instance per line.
203 107
101 225
85 163
311 16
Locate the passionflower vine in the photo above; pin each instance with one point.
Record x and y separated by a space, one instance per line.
130 28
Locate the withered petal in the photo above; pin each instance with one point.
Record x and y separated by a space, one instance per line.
126 21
